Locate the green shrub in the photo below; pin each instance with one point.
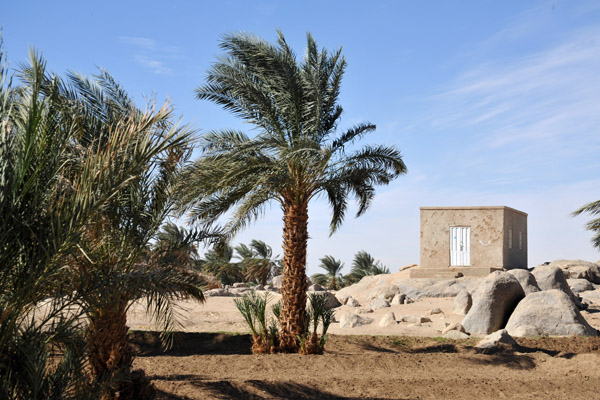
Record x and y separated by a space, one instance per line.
263 329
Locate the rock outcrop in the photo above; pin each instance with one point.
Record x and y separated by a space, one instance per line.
496 341
386 292
580 285
379 303
497 296
526 279
462 303
388 319
349 320
579 269
549 277
549 312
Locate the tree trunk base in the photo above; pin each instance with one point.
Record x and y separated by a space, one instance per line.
287 343
311 345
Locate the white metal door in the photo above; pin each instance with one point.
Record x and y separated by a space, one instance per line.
460 246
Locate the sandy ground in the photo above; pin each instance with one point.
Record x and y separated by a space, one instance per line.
219 366
219 314
368 362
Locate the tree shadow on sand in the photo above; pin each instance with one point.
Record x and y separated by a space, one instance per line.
148 344
254 390
505 358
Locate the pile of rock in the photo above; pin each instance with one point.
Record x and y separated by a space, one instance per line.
239 289
527 304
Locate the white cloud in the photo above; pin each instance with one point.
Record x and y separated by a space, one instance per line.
142 42
156 66
552 95
152 55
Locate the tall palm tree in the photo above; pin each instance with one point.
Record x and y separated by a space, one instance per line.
333 279
295 156
258 262
365 265
111 268
51 189
593 209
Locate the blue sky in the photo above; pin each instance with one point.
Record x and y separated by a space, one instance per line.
491 103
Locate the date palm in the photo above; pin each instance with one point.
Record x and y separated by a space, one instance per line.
174 246
295 156
111 267
51 189
219 263
333 279
593 209
258 262
363 265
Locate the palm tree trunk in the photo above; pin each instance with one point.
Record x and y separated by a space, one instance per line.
111 357
293 286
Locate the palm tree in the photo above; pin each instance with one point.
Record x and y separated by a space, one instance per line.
365 265
294 157
219 263
51 189
258 262
333 279
175 246
112 268
593 209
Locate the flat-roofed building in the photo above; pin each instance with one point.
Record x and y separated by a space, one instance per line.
472 241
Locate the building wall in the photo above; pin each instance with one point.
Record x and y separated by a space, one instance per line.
487 235
515 256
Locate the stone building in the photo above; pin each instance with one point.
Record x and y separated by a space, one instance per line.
471 241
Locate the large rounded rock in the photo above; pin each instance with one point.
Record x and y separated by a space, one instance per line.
526 279
316 288
418 288
496 341
398 299
332 301
388 319
580 285
386 292
579 269
548 313
379 303
497 296
462 303
455 335
349 320
277 280
549 277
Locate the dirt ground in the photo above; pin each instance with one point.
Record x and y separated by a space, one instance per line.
220 366
401 361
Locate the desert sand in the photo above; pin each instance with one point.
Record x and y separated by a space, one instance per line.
405 361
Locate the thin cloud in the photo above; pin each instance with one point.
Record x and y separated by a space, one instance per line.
156 66
140 42
150 54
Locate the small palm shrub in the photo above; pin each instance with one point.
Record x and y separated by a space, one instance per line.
253 308
319 312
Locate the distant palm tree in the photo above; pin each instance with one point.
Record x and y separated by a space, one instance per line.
295 156
175 246
364 265
333 279
219 263
258 262
594 225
